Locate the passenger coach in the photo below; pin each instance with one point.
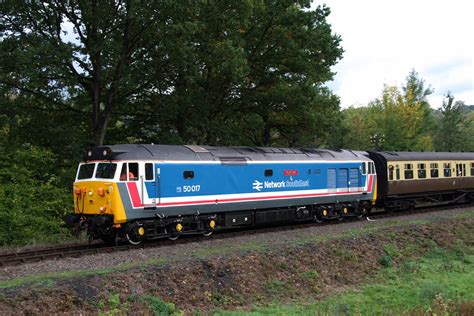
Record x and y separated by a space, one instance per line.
418 179
137 192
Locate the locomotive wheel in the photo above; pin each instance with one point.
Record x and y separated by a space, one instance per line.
133 240
363 211
135 234
317 217
207 234
173 237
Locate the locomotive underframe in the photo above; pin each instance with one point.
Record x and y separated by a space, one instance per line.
102 226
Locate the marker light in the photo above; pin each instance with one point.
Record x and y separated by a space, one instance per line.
179 227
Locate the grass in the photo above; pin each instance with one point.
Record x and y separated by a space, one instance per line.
49 279
440 276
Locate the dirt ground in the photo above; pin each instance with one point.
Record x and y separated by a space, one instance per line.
298 271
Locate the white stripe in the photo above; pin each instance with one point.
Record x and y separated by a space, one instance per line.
249 195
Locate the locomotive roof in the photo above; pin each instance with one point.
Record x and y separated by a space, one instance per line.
210 153
425 156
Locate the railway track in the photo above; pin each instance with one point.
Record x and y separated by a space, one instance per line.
70 251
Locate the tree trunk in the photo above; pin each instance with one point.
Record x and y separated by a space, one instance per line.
267 138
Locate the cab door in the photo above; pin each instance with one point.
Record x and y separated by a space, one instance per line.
150 186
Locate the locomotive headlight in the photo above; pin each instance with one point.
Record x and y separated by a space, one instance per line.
90 193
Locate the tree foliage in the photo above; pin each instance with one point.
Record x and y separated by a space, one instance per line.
400 118
214 72
454 132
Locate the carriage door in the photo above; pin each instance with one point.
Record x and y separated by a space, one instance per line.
331 180
354 180
342 180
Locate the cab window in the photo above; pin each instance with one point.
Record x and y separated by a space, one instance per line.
149 171
106 170
129 172
86 171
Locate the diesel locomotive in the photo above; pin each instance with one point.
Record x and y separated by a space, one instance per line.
137 192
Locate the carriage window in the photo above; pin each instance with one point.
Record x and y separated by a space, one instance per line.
188 174
106 170
472 169
364 168
408 171
460 170
397 172
421 171
434 170
447 169
390 172
86 171
268 172
148 171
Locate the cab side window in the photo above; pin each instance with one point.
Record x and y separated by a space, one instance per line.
129 172
149 171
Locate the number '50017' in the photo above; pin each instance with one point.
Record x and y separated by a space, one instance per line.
191 188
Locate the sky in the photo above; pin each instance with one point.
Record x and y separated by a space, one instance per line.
384 40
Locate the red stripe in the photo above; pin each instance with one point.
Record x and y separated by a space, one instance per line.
136 201
371 179
133 190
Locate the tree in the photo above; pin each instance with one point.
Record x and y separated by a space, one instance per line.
452 131
249 73
94 70
397 120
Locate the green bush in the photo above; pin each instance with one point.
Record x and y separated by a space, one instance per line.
32 201
159 307
386 261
